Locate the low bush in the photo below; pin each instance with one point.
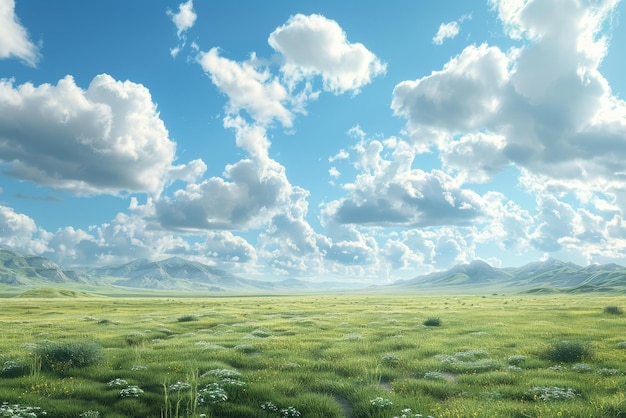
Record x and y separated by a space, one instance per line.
567 352
613 310
432 322
14 368
60 356
187 318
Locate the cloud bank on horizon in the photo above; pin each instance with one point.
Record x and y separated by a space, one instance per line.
510 149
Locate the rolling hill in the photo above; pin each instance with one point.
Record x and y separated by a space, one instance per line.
178 274
31 270
539 277
173 274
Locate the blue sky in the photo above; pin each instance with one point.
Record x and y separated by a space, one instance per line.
314 139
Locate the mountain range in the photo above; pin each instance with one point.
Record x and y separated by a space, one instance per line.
173 274
177 274
546 276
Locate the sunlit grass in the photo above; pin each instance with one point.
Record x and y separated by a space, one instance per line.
329 356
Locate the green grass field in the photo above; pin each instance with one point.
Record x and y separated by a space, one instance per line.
314 356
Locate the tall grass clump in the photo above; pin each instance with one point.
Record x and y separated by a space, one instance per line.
567 352
432 322
59 356
613 310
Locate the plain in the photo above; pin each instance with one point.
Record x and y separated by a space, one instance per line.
314 356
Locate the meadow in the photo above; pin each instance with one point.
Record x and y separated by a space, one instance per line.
314 356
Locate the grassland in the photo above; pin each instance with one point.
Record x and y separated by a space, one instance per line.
315 356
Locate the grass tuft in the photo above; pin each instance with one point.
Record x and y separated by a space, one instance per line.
567 352
432 322
613 310
60 356
187 318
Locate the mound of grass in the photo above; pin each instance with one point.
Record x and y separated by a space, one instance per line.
14 368
187 318
567 352
432 322
613 310
59 356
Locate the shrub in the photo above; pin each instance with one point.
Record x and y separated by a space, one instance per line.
567 352
69 354
12 368
187 318
432 322
613 310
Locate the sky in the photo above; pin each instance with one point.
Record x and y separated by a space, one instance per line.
321 140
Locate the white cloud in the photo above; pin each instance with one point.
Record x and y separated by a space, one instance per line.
389 192
185 18
463 96
21 233
251 193
248 88
316 46
106 139
446 31
14 41
475 157
544 107
224 246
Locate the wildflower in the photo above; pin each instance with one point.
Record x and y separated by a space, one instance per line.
269 406
290 412
380 402
118 382
180 386
548 393
131 392
222 374
212 394
19 411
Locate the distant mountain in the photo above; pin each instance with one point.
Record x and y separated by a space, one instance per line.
175 274
180 274
30 270
549 275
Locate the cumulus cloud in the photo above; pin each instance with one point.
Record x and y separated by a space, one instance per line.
463 96
184 20
446 31
543 106
316 46
14 41
106 139
389 192
249 194
248 88
20 232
